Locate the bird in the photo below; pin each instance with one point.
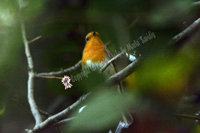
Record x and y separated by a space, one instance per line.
95 56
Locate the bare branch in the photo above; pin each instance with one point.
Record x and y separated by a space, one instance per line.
44 113
116 78
62 72
59 129
27 50
64 121
186 34
110 61
57 124
133 23
50 77
107 43
57 117
33 106
31 41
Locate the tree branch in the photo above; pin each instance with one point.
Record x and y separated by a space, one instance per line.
33 106
116 78
57 124
110 61
186 34
63 121
188 116
57 117
62 72
31 41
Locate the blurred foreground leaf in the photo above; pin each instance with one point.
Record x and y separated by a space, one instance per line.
103 111
2 109
165 77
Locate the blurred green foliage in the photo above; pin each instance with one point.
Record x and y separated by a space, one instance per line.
3 108
103 110
165 77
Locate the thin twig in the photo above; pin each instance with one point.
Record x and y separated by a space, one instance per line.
33 40
188 116
110 61
58 73
133 22
50 77
59 129
57 117
32 103
107 44
47 115
44 113
64 121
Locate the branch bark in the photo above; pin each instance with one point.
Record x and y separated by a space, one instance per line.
186 34
58 73
33 40
116 78
57 117
30 84
188 116
111 61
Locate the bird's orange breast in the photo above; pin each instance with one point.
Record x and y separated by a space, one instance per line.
94 51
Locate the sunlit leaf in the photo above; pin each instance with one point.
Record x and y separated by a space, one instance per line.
2 109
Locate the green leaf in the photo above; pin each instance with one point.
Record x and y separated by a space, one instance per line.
103 111
2 110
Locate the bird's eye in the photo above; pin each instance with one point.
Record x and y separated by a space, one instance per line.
86 39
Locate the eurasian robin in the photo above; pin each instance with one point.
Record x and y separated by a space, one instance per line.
95 56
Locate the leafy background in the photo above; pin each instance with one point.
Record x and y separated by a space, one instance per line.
63 25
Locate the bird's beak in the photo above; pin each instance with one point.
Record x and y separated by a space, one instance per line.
94 32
